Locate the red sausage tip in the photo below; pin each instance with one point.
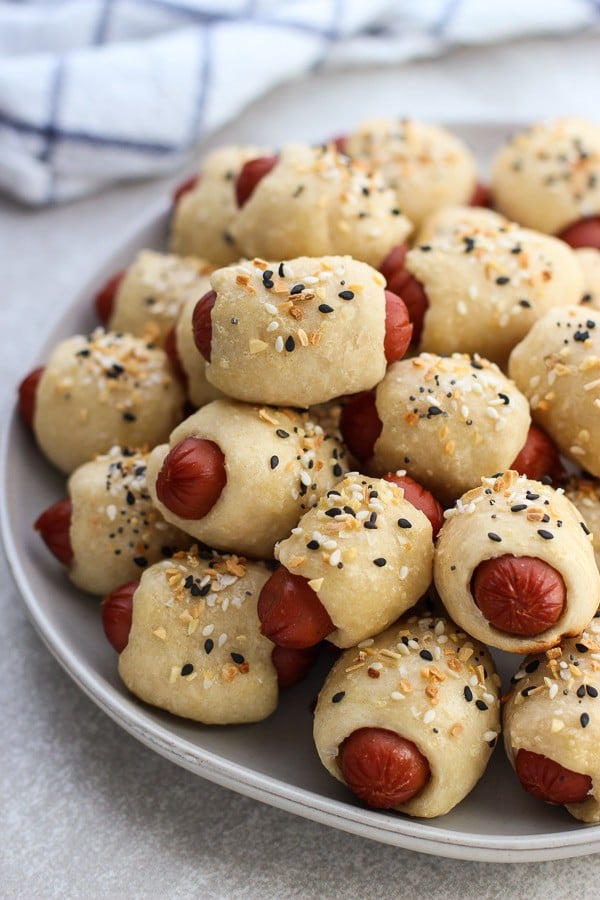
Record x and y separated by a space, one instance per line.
394 261
290 612
360 425
548 780
292 664
398 328
420 498
481 196
202 323
173 354
27 393
54 526
184 188
249 176
117 610
521 595
381 768
104 301
585 233
192 478
539 458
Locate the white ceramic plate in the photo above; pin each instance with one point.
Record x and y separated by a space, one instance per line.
273 761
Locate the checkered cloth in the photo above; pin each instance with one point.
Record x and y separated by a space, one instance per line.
92 91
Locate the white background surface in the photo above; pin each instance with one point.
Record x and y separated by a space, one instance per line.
85 809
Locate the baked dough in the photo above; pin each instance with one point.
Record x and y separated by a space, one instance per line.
584 493
199 390
430 683
557 366
297 333
104 390
195 647
315 201
488 284
552 709
511 514
426 166
589 260
116 532
153 292
548 176
447 221
278 463
367 552
203 216
447 421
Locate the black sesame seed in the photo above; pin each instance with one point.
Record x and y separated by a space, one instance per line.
591 691
581 690
586 530
505 398
380 561
584 719
525 304
581 336
297 289
346 295
339 696
290 344
312 545
581 648
325 308
425 248
547 535
274 462
187 669
334 511
518 507
590 323
140 561
425 654
494 537
237 658
468 693
532 666
502 279
404 523
337 470
481 705
453 568
130 497
280 270
129 417
531 496
281 433
208 645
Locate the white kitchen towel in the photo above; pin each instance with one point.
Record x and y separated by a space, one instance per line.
93 91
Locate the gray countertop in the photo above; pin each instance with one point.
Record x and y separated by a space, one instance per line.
85 808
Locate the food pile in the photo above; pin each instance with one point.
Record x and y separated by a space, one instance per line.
358 401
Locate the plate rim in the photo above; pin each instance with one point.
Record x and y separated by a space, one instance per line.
412 834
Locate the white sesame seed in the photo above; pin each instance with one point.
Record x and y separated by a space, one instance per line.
368 642
553 690
403 573
490 735
335 557
271 308
279 344
272 326
429 716
208 629
396 695
222 639
403 649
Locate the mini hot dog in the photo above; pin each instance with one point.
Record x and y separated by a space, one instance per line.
98 392
107 530
552 725
146 299
352 565
314 201
475 287
189 640
240 476
548 178
556 367
432 417
299 332
117 613
205 207
408 720
514 565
